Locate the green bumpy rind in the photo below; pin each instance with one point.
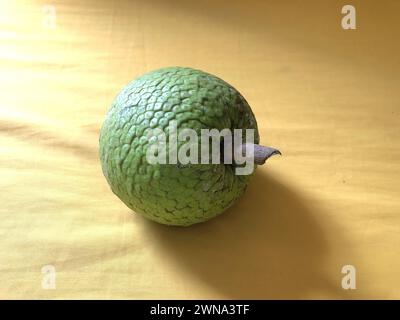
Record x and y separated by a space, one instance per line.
169 193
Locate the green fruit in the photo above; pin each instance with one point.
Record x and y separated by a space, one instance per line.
172 194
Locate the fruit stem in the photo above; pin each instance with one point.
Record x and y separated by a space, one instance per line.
261 153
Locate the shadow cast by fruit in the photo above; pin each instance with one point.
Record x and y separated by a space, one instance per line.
268 245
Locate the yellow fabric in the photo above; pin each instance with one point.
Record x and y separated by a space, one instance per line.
327 97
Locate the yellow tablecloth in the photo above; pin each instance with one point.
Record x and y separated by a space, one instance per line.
328 98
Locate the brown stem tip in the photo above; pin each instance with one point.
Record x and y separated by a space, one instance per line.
261 153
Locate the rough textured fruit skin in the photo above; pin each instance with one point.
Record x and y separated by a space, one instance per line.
168 193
